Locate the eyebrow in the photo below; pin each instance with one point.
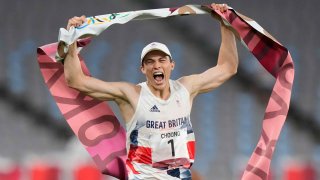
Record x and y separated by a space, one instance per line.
164 57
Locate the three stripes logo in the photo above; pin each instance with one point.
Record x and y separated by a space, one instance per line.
154 109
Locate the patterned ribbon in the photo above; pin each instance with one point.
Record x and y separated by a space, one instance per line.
99 130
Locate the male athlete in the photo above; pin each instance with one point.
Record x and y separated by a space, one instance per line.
160 139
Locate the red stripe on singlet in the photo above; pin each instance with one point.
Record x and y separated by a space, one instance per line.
140 154
129 164
191 149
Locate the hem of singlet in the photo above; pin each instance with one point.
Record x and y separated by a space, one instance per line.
153 178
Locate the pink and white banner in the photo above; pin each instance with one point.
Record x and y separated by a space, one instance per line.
96 126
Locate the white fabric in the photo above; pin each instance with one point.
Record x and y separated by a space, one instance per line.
163 126
95 28
155 46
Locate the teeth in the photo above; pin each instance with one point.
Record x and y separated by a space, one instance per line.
157 73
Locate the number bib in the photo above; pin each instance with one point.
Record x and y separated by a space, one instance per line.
169 148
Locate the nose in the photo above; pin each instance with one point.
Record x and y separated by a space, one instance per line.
156 65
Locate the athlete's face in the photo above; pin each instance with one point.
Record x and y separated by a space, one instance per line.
157 67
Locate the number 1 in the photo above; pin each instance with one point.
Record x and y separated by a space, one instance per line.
172 147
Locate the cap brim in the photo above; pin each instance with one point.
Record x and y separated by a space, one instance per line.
154 49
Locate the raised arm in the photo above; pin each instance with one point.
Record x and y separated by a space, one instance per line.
226 67
91 86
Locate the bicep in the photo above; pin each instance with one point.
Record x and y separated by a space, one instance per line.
206 81
102 90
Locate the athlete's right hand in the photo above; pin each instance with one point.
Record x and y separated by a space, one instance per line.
76 21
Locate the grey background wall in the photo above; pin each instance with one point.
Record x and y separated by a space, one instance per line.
227 121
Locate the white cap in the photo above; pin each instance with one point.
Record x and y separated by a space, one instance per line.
154 46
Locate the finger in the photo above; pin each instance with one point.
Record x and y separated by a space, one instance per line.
76 18
83 18
215 6
225 7
218 6
72 22
77 22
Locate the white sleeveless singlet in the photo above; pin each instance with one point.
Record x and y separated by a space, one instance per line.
160 138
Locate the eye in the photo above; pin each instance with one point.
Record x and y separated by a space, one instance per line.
148 61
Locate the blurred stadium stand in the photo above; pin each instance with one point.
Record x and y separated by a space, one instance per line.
37 144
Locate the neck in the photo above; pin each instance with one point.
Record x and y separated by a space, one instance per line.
163 93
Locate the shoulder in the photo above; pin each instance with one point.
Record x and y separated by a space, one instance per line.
188 82
130 89
131 93
124 90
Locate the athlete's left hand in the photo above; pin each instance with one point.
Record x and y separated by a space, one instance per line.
221 7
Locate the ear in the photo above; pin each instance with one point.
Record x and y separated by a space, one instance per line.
143 70
172 65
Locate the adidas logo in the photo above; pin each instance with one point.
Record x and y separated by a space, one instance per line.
154 109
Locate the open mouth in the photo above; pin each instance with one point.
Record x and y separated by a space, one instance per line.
158 76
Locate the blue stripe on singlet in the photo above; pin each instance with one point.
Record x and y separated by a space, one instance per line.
174 172
134 137
134 134
181 173
185 174
189 127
